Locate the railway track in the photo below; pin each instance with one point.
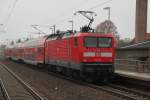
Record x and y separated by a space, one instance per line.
3 92
119 91
125 93
140 95
34 94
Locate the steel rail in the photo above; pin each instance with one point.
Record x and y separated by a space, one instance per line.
25 85
121 93
105 88
136 92
112 89
4 91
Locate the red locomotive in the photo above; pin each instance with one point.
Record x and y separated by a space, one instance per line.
85 54
82 53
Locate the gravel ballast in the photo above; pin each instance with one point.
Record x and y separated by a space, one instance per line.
54 88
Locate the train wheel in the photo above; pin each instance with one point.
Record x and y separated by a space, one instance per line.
67 72
64 71
89 79
76 74
49 67
40 65
86 77
112 77
53 68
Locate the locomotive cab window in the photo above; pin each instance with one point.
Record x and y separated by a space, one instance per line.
104 42
90 42
99 42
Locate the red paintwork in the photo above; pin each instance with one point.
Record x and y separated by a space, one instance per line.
65 50
62 49
31 50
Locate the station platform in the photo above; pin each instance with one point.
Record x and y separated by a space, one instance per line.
134 75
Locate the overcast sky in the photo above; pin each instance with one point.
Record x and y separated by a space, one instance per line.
18 16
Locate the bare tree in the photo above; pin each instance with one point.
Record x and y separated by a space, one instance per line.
107 27
12 43
18 41
124 42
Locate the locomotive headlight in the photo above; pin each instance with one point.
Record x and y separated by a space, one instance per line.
89 54
106 54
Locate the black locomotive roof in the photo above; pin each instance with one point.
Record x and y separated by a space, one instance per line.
60 35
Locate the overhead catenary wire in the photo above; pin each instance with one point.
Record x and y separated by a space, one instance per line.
90 8
11 12
71 16
99 5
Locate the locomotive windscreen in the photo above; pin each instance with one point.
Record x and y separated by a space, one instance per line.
90 42
102 42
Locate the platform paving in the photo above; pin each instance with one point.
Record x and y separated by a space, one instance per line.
135 75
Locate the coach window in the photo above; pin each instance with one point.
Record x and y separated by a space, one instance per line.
39 50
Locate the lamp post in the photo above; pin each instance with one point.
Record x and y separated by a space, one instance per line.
71 21
108 8
53 29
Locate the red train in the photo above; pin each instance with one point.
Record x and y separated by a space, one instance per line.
84 54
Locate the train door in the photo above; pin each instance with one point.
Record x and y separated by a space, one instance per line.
75 50
46 52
